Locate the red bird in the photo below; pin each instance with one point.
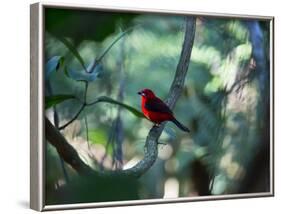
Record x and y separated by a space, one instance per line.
156 110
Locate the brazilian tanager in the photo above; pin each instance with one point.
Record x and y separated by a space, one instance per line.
156 110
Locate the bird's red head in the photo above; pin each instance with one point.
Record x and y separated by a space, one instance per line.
146 93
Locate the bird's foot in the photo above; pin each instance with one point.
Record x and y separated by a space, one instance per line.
156 125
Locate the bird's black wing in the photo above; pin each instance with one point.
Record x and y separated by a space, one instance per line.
157 105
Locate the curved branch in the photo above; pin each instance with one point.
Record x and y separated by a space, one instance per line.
151 150
66 151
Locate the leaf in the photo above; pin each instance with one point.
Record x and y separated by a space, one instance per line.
56 99
97 136
112 101
66 71
130 108
54 64
82 75
73 50
89 73
92 71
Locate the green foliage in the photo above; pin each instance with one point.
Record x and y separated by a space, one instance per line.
222 118
134 111
53 64
73 50
89 189
89 73
96 25
97 136
51 101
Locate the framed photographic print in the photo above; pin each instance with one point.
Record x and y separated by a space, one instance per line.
132 106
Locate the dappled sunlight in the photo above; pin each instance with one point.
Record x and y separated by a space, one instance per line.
131 162
219 185
165 152
171 189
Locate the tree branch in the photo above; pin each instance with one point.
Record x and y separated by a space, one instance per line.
65 150
71 156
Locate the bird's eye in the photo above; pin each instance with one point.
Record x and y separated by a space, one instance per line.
142 93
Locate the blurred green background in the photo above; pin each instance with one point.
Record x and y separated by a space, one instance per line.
225 104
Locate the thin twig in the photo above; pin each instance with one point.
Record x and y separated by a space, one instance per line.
80 110
86 91
87 133
98 60
91 155
74 118
93 102
236 83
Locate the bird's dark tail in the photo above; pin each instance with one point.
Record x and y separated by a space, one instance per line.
178 124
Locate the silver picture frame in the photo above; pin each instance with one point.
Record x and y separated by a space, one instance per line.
37 138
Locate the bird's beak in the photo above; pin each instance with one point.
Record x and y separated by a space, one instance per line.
141 93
